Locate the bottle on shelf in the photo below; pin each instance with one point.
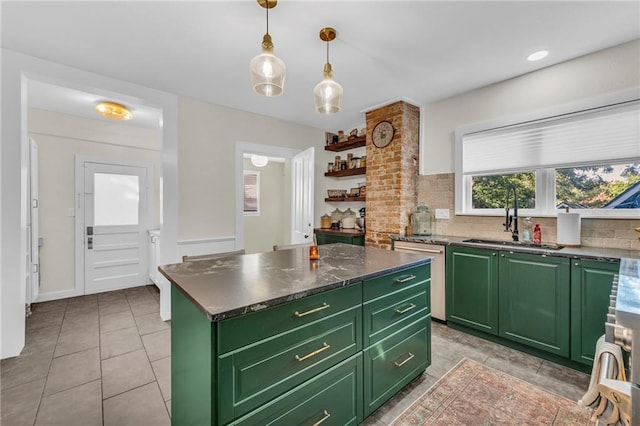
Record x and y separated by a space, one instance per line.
537 234
528 230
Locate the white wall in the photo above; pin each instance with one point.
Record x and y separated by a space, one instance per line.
206 161
262 231
60 137
17 70
600 73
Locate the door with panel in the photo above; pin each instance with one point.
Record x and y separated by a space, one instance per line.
115 224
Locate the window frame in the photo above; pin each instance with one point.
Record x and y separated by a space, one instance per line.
545 177
257 174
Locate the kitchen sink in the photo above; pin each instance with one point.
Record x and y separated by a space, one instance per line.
515 244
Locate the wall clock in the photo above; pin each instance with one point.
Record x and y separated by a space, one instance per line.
382 134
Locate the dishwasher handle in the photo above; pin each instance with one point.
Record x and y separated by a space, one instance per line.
421 249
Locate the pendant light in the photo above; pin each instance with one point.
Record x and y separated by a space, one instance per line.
328 94
267 70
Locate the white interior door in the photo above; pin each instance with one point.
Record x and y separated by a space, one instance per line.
33 287
115 226
302 196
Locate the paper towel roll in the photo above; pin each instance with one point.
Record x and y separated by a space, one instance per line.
569 229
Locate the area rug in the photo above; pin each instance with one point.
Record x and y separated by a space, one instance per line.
473 394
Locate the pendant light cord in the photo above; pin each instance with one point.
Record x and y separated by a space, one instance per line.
327 51
267 16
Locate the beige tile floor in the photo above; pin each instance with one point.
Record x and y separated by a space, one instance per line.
105 360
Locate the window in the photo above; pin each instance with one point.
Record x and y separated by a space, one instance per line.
251 192
587 160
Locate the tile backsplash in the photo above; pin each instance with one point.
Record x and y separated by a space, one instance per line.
437 192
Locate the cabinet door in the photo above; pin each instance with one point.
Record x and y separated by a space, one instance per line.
534 301
472 288
590 288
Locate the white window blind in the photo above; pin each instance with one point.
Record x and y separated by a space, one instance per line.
251 192
589 137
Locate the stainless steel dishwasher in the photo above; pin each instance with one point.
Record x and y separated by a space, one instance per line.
437 273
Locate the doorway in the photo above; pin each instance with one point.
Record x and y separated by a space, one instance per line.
298 200
112 220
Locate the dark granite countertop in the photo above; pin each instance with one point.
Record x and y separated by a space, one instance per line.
344 231
235 285
590 253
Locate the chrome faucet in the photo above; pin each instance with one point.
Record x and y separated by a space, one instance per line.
509 219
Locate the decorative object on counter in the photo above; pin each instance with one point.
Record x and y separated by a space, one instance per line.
421 221
336 193
313 250
267 71
325 221
336 216
528 230
362 212
568 229
348 213
360 222
349 222
327 94
335 225
537 234
382 134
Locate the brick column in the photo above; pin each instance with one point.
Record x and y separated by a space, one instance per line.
392 173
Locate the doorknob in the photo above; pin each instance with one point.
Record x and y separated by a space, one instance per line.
306 235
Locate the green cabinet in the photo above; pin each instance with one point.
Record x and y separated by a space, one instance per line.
590 288
472 288
534 301
328 238
397 332
303 361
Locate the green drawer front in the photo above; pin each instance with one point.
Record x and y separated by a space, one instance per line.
389 283
395 361
335 394
386 315
255 374
245 329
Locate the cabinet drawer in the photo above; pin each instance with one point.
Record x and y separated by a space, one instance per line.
384 316
389 283
255 374
335 395
246 329
393 362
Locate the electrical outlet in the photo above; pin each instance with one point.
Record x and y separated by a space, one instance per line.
442 213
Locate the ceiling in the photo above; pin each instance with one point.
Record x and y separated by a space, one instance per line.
420 50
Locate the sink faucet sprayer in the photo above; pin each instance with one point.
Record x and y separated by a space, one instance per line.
511 219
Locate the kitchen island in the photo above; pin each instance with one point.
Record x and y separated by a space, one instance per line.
274 338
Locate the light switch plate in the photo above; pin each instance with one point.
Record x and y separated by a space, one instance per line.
442 213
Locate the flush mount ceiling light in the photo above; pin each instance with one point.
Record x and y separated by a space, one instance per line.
114 111
327 94
267 70
536 56
259 160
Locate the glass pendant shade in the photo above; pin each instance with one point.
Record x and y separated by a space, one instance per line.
267 73
327 94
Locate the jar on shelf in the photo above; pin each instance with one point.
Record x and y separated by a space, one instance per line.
330 167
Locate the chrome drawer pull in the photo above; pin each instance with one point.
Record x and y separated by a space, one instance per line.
314 353
326 416
409 358
324 306
404 280
407 309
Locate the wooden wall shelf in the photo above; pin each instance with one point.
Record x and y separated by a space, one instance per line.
347 172
344 199
356 142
